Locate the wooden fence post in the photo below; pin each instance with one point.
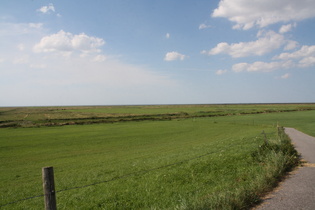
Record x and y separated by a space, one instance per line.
49 188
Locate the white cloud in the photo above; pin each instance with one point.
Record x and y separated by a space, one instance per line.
262 66
248 13
286 28
220 72
308 61
171 56
38 66
240 67
24 59
291 45
167 36
99 58
204 26
14 29
35 25
302 58
305 56
285 76
305 51
86 43
21 47
35 78
66 43
60 41
47 9
266 42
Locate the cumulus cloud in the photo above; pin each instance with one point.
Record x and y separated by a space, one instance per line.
47 9
266 42
304 51
35 25
171 56
204 26
13 29
302 58
66 42
260 66
308 61
248 13
167 35
305 56
21 47
285 76
99 58
291 45
38 66
286 28
22 59
220 72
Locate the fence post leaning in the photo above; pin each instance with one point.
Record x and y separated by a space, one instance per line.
49 188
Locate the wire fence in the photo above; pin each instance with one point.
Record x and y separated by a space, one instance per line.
133 174
113 179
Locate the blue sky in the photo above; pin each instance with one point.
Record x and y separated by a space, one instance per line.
109 52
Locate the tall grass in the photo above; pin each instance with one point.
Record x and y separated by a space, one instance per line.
270 162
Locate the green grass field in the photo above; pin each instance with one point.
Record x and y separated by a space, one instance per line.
183 163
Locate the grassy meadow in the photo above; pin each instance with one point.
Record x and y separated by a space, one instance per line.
147 157
82 115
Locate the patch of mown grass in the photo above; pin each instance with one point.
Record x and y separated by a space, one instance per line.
83 155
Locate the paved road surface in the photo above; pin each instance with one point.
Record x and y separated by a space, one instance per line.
297 191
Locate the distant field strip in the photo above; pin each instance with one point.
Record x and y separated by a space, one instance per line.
60 116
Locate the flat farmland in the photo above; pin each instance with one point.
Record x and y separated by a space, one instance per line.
56 116
149 157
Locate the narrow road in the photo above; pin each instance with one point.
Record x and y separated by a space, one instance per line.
298 190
